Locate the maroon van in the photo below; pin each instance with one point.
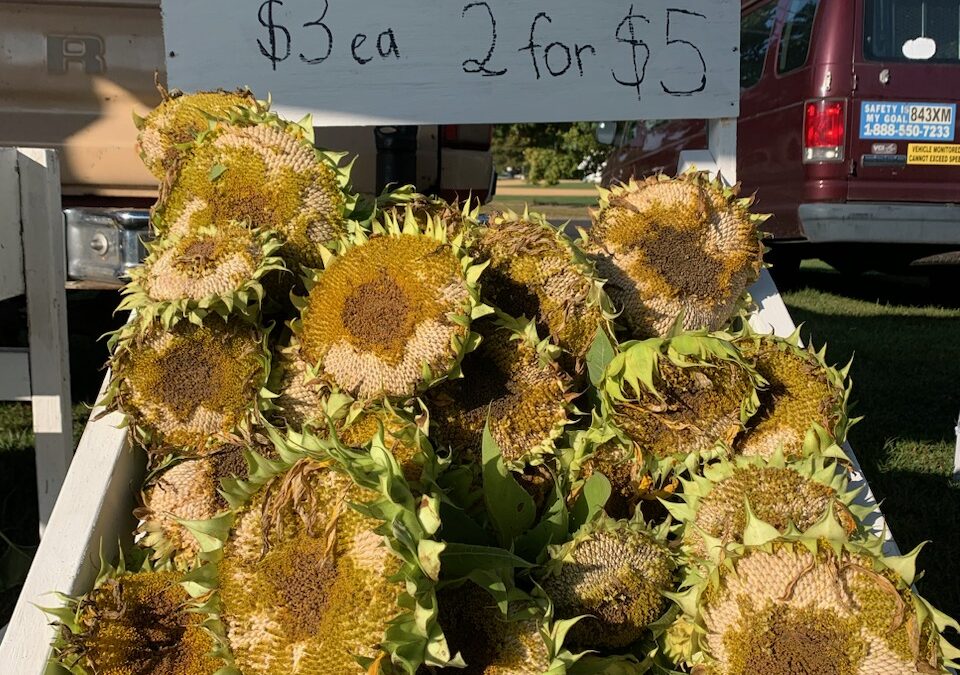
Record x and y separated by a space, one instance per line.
848 126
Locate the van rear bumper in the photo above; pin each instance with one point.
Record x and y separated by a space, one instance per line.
881 223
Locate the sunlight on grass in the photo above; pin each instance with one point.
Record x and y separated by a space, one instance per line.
906 384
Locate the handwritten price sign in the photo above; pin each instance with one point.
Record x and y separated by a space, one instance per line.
458 61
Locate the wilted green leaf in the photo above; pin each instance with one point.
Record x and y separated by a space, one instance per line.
596 491
511 509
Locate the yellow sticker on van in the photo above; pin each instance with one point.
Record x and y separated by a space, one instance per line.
933 154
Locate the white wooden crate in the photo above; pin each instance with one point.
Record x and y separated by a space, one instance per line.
98 496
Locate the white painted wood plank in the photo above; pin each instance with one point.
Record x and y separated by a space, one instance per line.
722 142
44 250
449 62
15 381
94 509
11 249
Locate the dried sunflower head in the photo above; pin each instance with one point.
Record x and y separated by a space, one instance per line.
803 408
783 495
185 489
813 603
514 379
135 622
670 403
177 121
189 385
211 269
307 581
305 584
536 271
267 175
615 574
672 247
526 640
391 315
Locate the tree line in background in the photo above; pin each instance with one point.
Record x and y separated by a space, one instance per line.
548 153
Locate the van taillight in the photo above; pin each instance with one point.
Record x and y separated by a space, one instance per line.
824 127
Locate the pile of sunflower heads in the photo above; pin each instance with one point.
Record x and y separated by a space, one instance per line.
390 436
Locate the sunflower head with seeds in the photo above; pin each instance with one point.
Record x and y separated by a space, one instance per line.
141 622
513 380
185 489
268 175
675 247
391 315
189 384
179 118
781 494
812 602
537 272
803 407
670 403
615 575
305 583
212 269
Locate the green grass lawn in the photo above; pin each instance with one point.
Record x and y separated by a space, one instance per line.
906 384
555 212
562 185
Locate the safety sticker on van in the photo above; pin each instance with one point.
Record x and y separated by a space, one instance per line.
933 154
886 120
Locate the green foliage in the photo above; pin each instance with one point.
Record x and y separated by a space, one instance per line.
548 153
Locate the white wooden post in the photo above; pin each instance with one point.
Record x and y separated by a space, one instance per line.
33 248
721 153
11 248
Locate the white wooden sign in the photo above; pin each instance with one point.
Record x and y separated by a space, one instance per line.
353 62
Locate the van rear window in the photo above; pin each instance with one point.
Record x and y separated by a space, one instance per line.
796 36
756 27
912 30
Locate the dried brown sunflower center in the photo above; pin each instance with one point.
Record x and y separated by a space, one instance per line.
199 251
189 378
797 642
303 575
473 627
377 314
677 255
